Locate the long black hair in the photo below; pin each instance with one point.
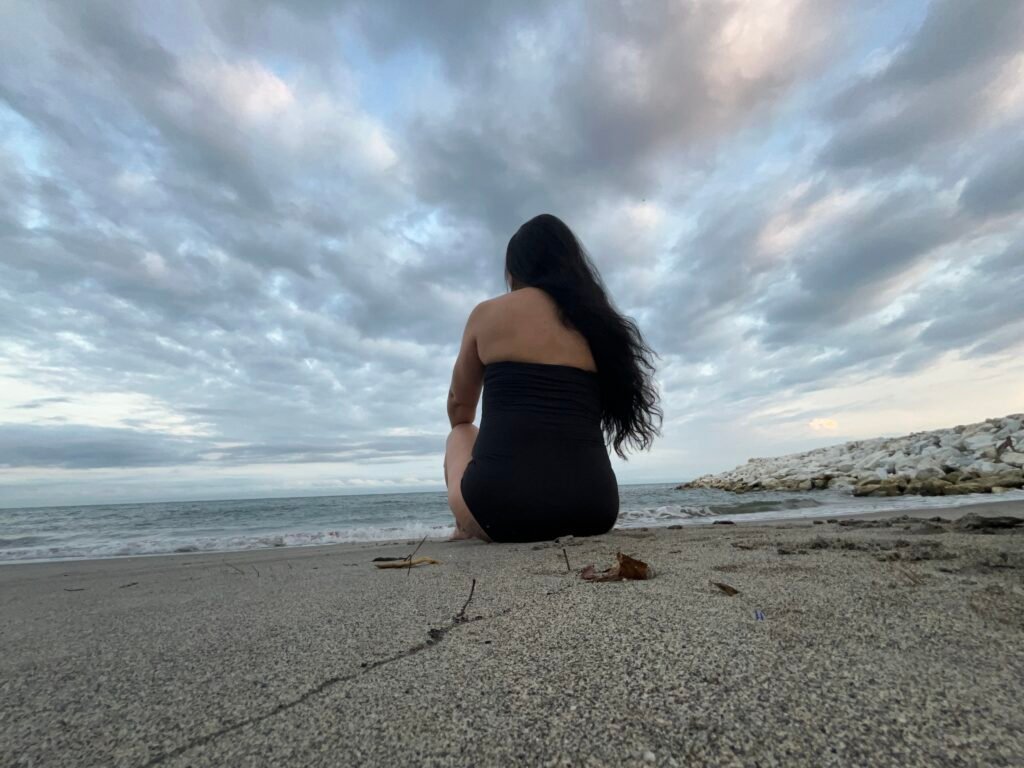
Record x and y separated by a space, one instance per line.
545 254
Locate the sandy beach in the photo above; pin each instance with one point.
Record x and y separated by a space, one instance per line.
870 643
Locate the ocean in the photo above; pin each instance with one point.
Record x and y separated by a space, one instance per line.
121 530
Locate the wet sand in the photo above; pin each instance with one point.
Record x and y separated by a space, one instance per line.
882 643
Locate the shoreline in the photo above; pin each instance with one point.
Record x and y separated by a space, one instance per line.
1000 506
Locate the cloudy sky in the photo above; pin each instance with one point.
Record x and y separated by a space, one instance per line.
239 240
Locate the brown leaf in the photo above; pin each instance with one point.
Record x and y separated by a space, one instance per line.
730 591
626 568
631 568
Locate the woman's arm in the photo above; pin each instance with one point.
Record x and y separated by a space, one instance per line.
467 377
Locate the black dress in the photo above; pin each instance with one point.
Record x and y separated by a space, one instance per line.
540 467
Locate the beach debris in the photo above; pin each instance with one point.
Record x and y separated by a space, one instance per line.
626 568
406 563
409 561
461 615
74 589
568 569
910 576
974 523
129 584
730 591
759 615
740 545
723 522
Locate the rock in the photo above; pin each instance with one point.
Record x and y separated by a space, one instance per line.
929 471
933 487
1000 489
1013 458
952 440
1009 427
980 441
969 458
978 524
885 488
1010 479
866 489
962 488
983 467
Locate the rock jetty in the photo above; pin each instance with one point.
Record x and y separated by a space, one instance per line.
987 457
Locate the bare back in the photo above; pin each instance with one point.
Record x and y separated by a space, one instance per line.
524 326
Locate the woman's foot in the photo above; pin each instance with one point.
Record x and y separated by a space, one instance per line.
459 535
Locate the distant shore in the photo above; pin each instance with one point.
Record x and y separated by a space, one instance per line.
891 642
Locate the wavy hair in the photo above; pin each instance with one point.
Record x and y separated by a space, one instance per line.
544 253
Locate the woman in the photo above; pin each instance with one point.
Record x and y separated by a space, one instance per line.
561 369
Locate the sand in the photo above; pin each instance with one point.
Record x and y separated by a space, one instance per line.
894 644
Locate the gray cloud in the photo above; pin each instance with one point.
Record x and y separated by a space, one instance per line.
270 236
80 447
934 89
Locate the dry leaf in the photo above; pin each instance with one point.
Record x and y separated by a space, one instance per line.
626 568
730 591
409 563
630 568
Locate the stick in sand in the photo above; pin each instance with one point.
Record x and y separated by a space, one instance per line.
461 615
409 558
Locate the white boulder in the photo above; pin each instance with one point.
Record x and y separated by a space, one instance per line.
1013 458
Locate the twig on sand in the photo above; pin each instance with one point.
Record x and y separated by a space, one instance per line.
257 571
403 563
229 565
567 568
409 558
912 577
129 584
461 615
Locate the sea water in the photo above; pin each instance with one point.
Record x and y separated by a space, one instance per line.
118 530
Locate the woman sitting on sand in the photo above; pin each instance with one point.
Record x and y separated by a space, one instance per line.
560 370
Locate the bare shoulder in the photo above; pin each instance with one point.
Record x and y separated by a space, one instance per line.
523 298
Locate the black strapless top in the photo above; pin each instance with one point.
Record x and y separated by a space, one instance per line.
540 468
556 399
